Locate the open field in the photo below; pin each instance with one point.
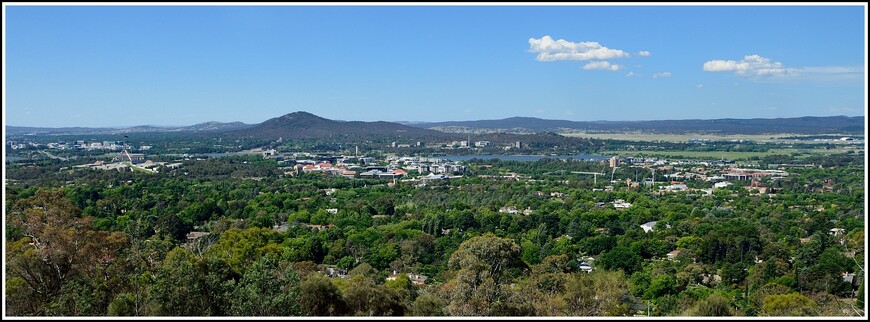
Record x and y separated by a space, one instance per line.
726 155
639 136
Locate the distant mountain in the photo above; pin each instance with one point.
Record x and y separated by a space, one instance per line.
528 123
799 125
28 130
304 125
143 129
215 126
201 127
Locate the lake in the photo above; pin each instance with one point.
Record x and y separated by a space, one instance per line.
212 155
585 157
10 159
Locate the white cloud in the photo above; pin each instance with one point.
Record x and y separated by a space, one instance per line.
553 50
633 74
828 70
644 53
662 75
700 85
757 66
828 73
751 65
601 65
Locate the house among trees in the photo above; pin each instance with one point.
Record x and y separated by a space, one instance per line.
648 226
195 235
416 279
621 204
509 210
584 266
850 278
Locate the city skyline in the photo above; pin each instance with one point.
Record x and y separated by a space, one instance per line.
103 66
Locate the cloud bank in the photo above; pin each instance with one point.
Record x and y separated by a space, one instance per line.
554 50
750 65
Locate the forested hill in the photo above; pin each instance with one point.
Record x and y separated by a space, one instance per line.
304 125
798 125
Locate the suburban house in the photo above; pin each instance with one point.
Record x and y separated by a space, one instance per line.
584 265
416 279
510 210
648 227
195 235
621 204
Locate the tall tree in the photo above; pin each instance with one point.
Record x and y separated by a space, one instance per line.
55 246
268 288
481 264
320 297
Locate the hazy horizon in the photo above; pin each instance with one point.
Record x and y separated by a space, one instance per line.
404 121
104 65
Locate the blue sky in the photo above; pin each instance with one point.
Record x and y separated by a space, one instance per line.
173 65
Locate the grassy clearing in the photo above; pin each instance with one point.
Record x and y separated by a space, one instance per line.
137 168
638 136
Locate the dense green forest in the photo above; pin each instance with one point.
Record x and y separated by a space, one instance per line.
95 243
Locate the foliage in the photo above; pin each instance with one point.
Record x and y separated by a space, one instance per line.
621 258
713 305
482 266
95 243
792 304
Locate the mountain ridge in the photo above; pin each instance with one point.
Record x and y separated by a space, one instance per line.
802 125
304 125
210 126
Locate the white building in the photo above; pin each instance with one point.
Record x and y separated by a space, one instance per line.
720 185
